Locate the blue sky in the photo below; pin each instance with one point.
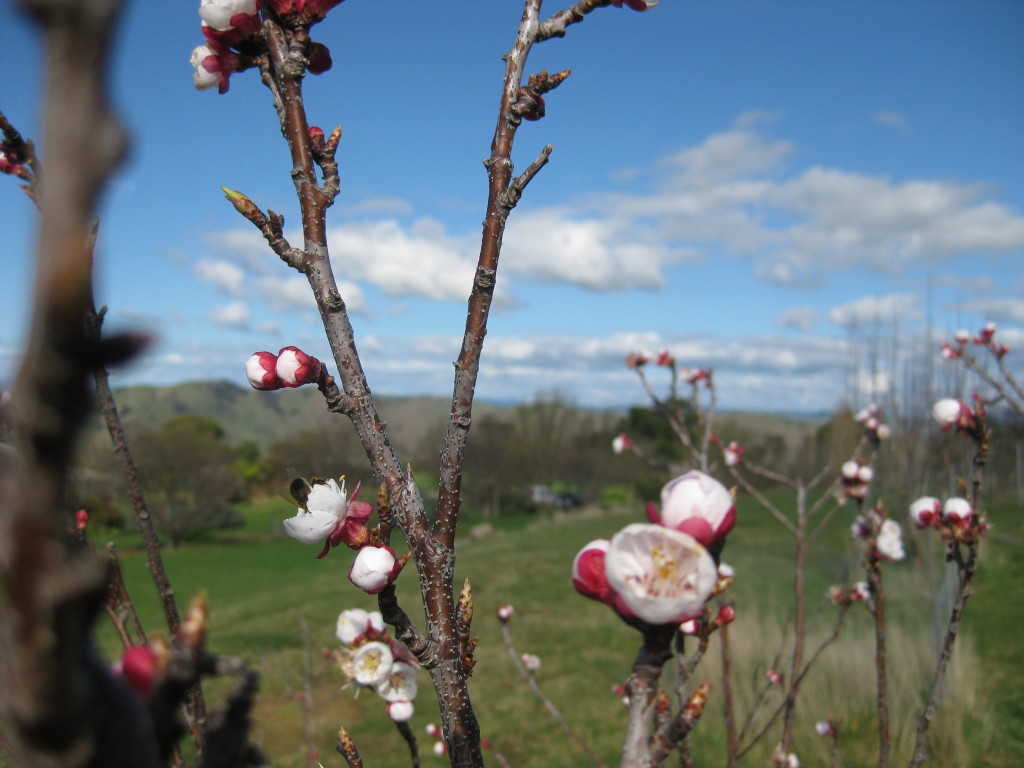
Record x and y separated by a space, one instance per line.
741 182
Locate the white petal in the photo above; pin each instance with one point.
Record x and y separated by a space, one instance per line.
309 527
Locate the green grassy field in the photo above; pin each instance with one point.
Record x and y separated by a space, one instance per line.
261 584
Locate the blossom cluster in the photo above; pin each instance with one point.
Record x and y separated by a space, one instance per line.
327 515
12 161
370 658
637 360
661 572
955 519
950 413
291 367
984 338
870 418
233 33
855 480
840 594
884 535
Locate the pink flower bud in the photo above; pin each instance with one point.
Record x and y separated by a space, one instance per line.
400 711
861 592
319 59
440 748
692 375
962 336
505 612
637 359
689 627
849 471
531 662
261 370
665 359
433 730
824 728
986 334
295 367
774 677
950 413
622 443
374 568
925 511
81 519
949 353
636 5
956 510
588 571
865 475
733 454
138 668
726 615
699 505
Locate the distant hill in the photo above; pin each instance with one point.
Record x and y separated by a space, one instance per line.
263 417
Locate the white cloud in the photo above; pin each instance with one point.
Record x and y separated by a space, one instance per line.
224 276
286 293
892 120
595 253
1004 309
874 310
423 260
235 315
732 154
800 318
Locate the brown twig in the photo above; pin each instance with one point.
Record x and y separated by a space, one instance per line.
530 679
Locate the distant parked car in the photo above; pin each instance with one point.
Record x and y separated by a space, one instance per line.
567 500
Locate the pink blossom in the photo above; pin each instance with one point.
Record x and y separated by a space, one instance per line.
774 677
665 359
622 443
962 336
957 509
636 5
949 353
849 470
698 505
440 748
926 511
261 370
637 359
213 67
659 575
138 668
824 728
588 571
692 375
356 625
374 568
986 333
432 730
505 612
10 161
950 413
861 592
726 615
81 519
733 454
226 14
889 541
295 367
531 662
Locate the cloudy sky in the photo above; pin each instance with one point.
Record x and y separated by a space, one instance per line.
748 184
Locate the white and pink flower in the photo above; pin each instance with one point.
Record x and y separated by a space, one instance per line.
531 662
658 574
588 571
951 413
889 541
622 443
374 568
261 370
295 367
356 625
695 504
733 454
957 510
926 511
